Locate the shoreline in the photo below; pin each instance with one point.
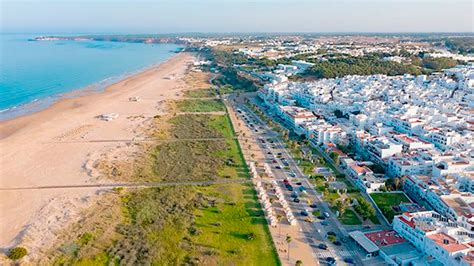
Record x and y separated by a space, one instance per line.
8 127
38 105
60 145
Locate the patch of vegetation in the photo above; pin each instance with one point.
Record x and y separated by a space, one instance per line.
241 236
197 156
366 65
229 75
226 89
17 253
330 196
349 217
462 45
386 202
438 64
158 224
365 209
200 105
319 182
201 93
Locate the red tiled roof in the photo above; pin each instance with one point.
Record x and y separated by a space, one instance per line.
450 246
410 223
385 238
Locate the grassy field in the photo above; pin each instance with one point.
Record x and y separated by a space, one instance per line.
200 105
234 227
202 93
385 202
349 218
178 225
205 149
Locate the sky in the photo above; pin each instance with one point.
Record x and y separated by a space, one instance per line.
176 16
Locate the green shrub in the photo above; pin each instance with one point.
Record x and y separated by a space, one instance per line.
17 253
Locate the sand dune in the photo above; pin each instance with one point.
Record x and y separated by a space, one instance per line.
58 146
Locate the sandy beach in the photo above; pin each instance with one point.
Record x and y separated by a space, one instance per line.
59 145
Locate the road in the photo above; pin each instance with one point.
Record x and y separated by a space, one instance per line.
314 232
383 222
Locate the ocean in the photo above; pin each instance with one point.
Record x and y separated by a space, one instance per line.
35 74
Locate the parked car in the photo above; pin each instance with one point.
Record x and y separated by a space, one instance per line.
294 195
297 200
322 246
320 217
289 187
313 205
292 174
330 260
326 214
331 233
324 223
337 243
304 213
349 260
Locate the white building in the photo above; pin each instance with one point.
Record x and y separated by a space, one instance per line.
436 236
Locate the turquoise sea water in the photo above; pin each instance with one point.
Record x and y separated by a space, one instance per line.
34 74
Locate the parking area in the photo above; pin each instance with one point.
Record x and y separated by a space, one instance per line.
320 229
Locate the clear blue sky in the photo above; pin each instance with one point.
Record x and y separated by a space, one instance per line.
165 16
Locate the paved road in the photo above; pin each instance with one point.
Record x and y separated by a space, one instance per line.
383 222
314 232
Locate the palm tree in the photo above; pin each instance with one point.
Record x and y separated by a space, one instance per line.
288 240
279 218
341 206
396 183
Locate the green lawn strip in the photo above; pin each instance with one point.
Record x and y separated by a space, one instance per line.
385 202
200 105
235 228
349 217
201 93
